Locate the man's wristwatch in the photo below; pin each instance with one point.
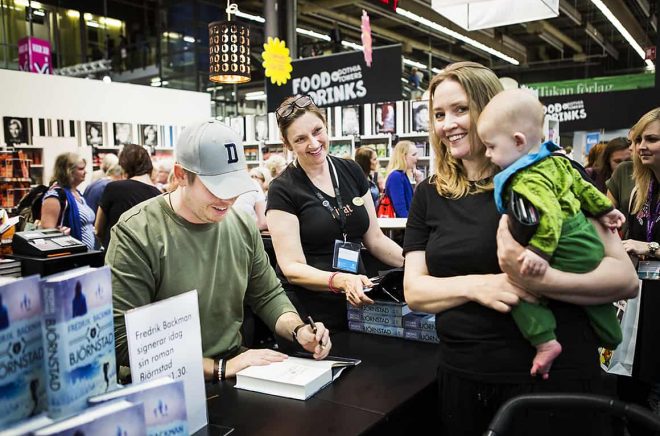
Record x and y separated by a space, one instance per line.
653 248
294 333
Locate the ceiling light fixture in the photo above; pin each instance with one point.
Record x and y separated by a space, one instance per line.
617 24
352 45
251 17
437 27
229 50
412 63
312 34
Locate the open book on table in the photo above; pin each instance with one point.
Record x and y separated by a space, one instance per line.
296 377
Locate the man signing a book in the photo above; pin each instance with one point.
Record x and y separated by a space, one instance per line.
191 238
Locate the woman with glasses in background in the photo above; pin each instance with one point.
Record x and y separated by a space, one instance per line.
320 211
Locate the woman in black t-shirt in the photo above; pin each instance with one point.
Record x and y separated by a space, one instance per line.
451 248
316 205
121 195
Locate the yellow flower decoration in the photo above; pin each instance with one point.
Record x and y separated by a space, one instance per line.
277 61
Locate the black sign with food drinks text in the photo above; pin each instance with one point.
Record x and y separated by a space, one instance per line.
607 110
343 79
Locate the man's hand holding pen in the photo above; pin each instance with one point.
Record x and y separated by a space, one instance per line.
315 338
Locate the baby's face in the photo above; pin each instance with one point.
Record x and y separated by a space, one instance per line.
500 144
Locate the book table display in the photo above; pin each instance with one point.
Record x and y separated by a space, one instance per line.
393 388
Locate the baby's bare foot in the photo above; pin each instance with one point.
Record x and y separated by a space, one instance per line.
546 353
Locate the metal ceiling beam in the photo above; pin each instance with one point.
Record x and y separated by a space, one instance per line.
572 13
388 34
628 20
541 27
600 40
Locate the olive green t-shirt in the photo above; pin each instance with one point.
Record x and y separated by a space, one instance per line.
155 254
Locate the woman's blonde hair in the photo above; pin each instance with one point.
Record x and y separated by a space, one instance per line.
398 160
65 165
480 85
642 175
275 164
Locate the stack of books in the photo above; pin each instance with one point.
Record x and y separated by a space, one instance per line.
389 318
57 351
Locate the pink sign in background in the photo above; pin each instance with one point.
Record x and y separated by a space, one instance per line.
34 55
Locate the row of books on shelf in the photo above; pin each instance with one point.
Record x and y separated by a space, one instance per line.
57 337
11 192
14 164
392 319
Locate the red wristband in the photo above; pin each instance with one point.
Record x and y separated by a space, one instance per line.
332 288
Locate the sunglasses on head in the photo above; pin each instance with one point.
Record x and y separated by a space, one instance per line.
286 109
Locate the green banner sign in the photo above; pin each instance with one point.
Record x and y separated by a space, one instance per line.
595 85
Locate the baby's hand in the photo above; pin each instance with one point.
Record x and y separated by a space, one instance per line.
612 219
532 263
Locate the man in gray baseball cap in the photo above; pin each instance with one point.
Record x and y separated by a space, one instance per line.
191 239
214 152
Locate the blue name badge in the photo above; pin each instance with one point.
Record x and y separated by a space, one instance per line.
346 256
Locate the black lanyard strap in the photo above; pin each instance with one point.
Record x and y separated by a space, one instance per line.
337 214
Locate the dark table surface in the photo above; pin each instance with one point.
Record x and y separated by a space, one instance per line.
392 373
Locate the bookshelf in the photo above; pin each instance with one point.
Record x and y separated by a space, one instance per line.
342 146
15 178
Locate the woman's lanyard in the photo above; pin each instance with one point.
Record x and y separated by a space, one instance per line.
337 214
654 212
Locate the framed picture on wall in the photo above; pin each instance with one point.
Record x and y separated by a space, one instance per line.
420 116
94 132
350 120
149 135
261 128
123 133
385 117
16 130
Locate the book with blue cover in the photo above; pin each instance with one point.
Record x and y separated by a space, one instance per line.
372 318
117 418
383 308
419 321
421 335
78 338
376 329
164 404
22 381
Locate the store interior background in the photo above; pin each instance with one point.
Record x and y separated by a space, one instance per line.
166 45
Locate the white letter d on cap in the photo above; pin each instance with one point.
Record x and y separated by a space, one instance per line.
232 155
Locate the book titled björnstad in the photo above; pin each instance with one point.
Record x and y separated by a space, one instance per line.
295 377
78 338
120 418
164 404
22 382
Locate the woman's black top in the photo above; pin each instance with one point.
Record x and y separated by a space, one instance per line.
476 342
292 192
118 197
646 365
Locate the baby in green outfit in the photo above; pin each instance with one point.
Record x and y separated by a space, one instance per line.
510 126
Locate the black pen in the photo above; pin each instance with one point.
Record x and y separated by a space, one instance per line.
313 326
